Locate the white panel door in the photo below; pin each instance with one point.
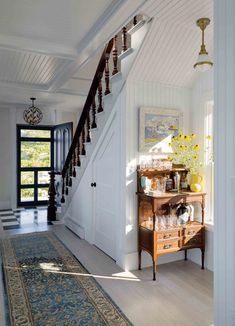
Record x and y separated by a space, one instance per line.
105 175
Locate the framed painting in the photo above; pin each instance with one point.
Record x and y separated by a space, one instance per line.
156 128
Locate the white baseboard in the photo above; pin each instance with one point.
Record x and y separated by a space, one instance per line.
75 227
5 204
131 260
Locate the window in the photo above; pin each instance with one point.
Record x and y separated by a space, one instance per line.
208 161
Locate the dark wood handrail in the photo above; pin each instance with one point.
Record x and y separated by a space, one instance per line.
90 98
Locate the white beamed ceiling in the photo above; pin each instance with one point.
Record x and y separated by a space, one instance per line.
50 49
44 43
173 43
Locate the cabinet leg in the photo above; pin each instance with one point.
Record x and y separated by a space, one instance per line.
140 258
203 257
185 255
154 269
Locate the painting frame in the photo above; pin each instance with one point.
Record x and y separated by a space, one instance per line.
161 117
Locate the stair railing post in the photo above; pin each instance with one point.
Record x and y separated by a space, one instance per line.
115 56
93 125
124 39
88 126
51 208
107 89
100 96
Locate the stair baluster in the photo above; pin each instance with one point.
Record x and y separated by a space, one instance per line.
124 39
83 141
88 126
67 183
93 125
62 197
78 163
70 174
115 56
135 21
100 96
107 89
74 163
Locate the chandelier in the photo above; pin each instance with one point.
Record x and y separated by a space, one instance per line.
33 115
203 61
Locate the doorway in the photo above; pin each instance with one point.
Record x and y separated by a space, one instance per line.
105 167
39 150
34 161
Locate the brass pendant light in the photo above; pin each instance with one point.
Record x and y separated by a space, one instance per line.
203 61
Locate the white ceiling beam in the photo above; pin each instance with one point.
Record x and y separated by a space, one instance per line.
102 31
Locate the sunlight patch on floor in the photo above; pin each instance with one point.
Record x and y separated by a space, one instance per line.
113 277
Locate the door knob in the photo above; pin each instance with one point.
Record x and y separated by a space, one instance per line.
93 184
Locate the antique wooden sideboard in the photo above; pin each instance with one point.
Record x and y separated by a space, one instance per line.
159 241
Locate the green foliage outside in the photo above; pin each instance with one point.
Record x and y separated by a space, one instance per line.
35 154
35 133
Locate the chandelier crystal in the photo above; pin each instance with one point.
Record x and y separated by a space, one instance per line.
33 115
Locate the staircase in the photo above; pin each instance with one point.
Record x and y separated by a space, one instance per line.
113 68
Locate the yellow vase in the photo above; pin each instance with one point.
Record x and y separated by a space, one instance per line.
195 183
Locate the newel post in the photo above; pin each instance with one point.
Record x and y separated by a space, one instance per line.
51 208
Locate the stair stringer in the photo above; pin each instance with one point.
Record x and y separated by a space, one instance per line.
117 83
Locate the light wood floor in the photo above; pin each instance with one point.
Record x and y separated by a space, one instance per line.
181 296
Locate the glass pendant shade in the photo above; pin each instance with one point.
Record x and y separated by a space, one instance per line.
33 116
203 63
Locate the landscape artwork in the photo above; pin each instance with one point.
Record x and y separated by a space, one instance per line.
157 126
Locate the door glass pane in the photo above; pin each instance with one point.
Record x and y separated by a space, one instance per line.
35 133
35 154
27 194
43 177
43 193
27 178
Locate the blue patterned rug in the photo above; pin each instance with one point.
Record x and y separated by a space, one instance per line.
46 286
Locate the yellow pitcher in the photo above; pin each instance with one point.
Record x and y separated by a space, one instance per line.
195 182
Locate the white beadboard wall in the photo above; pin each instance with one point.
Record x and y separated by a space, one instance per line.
224 253
152 95
202 92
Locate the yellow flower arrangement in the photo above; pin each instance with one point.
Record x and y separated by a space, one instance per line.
186 152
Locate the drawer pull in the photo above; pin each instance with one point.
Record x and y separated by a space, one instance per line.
167 236
191 232
167 246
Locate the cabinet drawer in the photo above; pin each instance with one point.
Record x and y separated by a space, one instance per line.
192 240
168 245
166 235
193 231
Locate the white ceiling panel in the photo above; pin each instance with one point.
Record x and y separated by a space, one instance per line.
172 45
27 68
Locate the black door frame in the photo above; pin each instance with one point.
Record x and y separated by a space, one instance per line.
20 169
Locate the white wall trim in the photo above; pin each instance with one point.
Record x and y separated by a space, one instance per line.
75 227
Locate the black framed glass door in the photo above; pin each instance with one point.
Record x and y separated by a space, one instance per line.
35 150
